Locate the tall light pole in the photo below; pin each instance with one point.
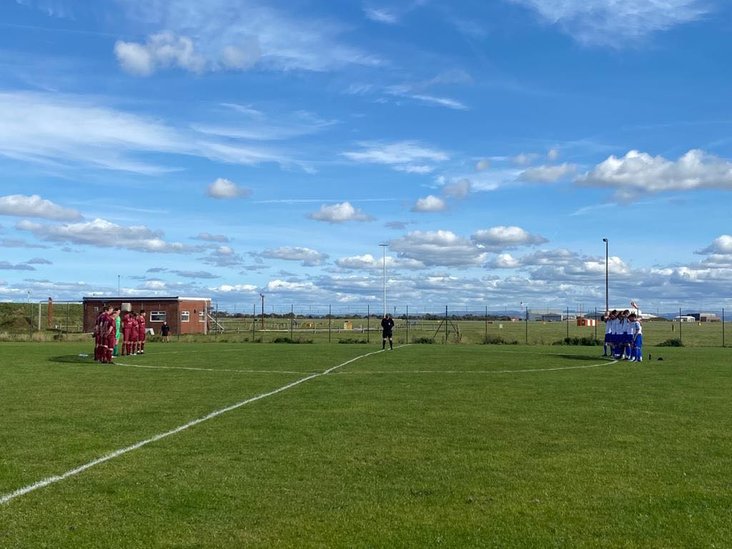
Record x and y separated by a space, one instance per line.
383 268
30 318
262 326
607 308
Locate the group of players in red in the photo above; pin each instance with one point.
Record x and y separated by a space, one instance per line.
115 336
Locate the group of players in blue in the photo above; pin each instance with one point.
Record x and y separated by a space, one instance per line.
623 335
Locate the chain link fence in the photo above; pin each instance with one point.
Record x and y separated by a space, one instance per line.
361 324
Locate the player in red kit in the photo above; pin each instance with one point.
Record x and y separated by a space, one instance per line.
111 336
101 325
141 332
105 333
126 333
133 333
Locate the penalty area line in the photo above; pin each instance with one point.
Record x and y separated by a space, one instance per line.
482 372
7 498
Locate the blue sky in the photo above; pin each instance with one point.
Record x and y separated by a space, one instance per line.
230 148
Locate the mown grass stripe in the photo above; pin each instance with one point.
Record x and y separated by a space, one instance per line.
7 498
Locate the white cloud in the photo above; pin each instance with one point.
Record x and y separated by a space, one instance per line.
104 234
428 99
381 15
225 189
34 206
399 155
70 131
161 50
410 168
234 288
208 237
637 173
722 245
243 56
339 213
502 237
195 274
370 262
547 174
284 286
438 248
504 261
308 257
232 34
458 189
482 165
223 256
617 23
429 203
524 159
156 286
243 122
7 266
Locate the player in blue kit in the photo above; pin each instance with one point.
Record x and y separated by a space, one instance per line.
636 331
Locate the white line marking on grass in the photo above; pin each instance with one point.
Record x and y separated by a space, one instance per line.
7 498
481 372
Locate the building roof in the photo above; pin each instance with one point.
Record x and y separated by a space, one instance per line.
145 298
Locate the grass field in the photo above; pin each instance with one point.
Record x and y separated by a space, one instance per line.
338 446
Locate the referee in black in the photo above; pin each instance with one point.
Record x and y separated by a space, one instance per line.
387 326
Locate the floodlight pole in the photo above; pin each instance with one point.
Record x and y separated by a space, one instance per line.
607 301
30 317
262 327
383 268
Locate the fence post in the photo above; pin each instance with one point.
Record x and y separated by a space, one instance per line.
567 322
407 324
254 321
526 322
292 319
722 326
446 327
368 323
330 319
680 320
485 337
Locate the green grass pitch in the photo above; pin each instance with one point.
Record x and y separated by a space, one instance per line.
425 446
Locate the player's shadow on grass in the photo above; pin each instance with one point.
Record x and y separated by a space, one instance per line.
72 359
586 357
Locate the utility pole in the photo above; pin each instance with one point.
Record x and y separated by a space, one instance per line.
383 267
262 296
607 300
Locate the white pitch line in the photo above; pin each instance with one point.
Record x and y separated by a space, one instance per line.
480 372
7 498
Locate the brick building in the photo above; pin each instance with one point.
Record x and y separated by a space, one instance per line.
185 315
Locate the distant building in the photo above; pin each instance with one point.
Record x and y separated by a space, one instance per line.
705 317
547 316
685 318
184 315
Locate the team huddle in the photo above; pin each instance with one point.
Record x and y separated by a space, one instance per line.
114 335
623 335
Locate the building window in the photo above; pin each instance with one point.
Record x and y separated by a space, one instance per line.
201 317
185 316
158 316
